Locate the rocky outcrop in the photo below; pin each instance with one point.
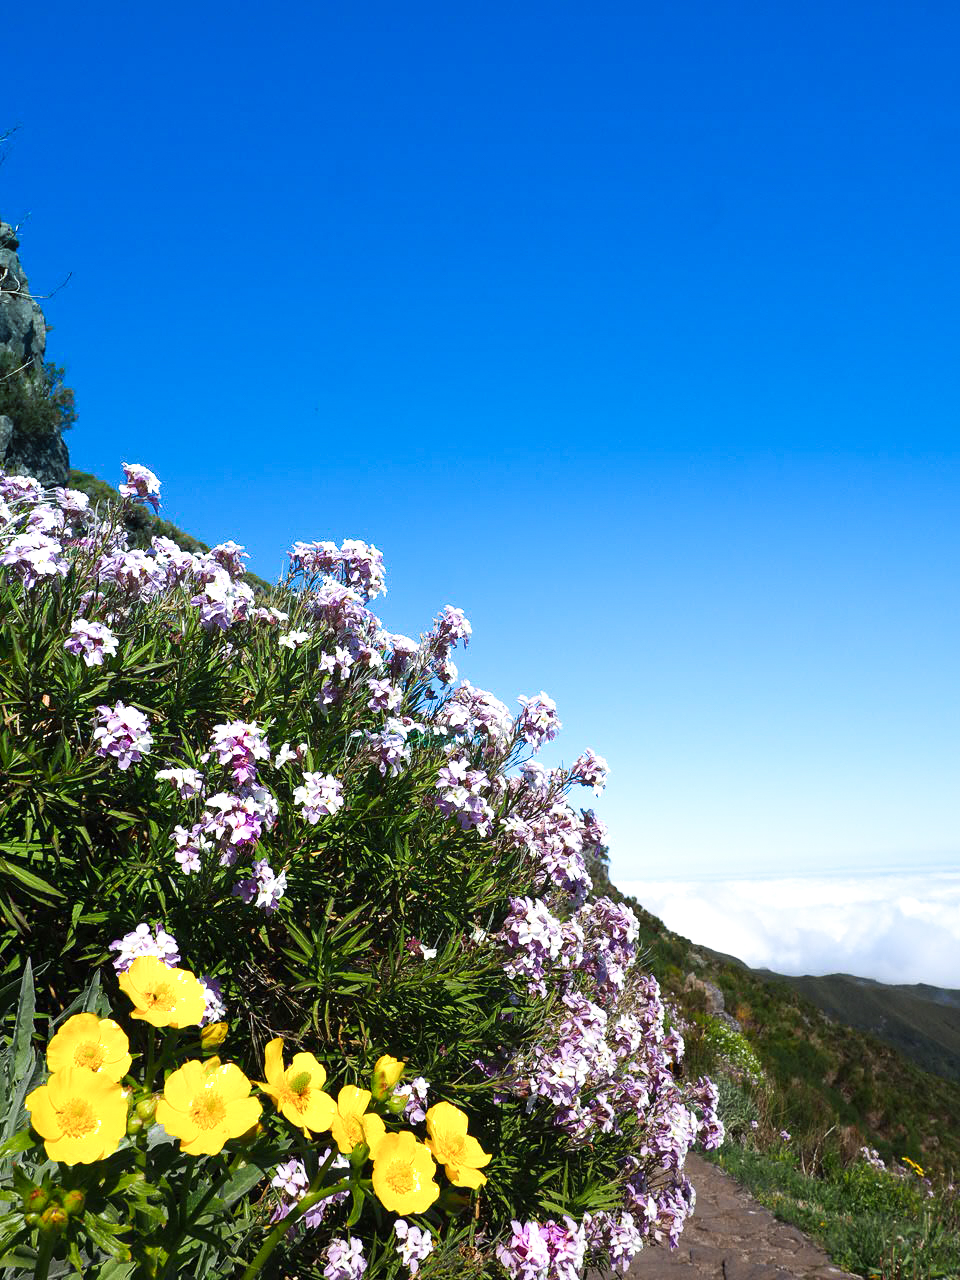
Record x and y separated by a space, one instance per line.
23 341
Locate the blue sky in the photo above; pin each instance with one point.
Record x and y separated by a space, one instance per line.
631 329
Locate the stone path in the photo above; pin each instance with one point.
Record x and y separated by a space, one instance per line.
731 1237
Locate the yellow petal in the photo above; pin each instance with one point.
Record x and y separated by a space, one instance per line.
43 1115
273 1061
352 1102
307 1062
182 1084
318 1114
374 1131
473 1154
231 1083
444 1117
465 1177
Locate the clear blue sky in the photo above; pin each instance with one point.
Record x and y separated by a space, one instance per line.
632 329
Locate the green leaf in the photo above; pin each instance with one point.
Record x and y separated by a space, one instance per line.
241 1183
23 1031
22 1141
28 878
114 1269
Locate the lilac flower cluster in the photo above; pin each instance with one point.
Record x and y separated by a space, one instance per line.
357 564
319 796
414 1244
538 721
590 770
533 939
469 711
239 746
141 484
344 1260
544 1251
34 555
264 885
216 1009
415 1091
144 941
90 640
450 627
460 795
616 1235
292 1182
123 733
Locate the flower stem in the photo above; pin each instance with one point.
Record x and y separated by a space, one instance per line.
44 1254
314 1196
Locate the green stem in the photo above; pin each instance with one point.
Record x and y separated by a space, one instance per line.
313 1196
214 1189
44 1254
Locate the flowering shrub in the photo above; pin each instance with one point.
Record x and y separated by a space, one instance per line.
362 858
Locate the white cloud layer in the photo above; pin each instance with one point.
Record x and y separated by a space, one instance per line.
897 927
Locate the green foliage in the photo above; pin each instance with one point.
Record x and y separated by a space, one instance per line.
36 400
870 1222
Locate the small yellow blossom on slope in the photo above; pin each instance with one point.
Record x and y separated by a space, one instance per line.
161 996
297 1092
205 1104
403 1172
348 1121
88 1041
80 1114
461 1155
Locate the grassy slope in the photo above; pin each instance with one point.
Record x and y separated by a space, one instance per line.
923 1022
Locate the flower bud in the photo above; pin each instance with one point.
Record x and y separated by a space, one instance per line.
147 1108
54 1219
36 1200
359 1155
386 1073
397 1104
213 1035
74 1201
134 1124
32 1220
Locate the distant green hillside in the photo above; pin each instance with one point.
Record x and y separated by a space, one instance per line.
923 1022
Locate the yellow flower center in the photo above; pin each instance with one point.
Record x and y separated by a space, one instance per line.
77 1118
300 1082
208 1110
89 1053
162 996
354 1130
449 1147
402 1178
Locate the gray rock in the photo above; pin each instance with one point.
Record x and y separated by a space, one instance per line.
23 340
6 435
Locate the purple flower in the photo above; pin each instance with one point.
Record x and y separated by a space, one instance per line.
32 556
590 770
538 722
91 640
143 941
320 796
124 733
216 1010
239 746
345 1260
188 782
384 696
141 484
415 1091
223 602
414 1244
263 885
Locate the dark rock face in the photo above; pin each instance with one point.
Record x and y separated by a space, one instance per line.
23 340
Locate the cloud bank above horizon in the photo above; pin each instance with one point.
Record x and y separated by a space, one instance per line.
898 928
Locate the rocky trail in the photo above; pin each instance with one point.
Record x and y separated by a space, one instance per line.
732 1237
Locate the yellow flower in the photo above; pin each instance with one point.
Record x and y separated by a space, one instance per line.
347 1126
88 1041
80 1114
297 1092
205 1104
161 996
386 1072
461 1155
403 1172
